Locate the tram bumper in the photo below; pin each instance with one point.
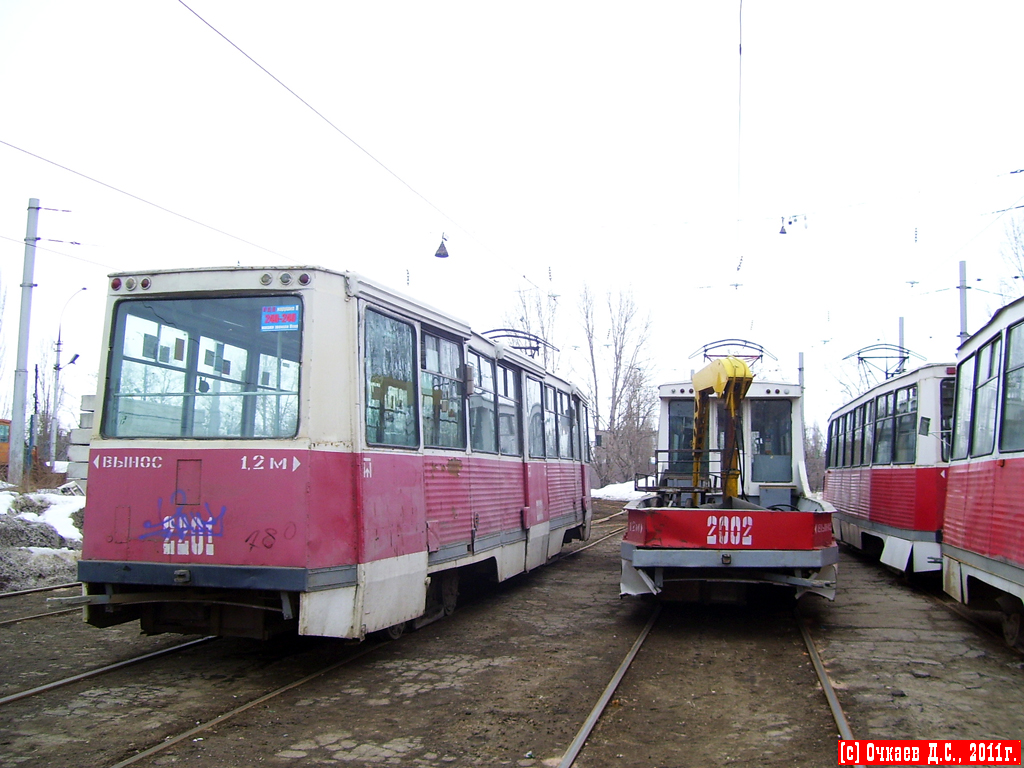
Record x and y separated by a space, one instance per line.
646 571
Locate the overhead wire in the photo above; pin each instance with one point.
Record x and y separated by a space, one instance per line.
321 115
60 253
141 199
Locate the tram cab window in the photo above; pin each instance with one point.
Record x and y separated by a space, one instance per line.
441 392
390 370
225 367
1011 435
962 416
983 417
771 434
680 439
830 448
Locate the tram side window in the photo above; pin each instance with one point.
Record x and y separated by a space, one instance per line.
857 457
441 392
550 422
847 439
482 410
983 419
225 367
565 420
535 408
771 432
906 425
947 396
884 408
390 368
1011 434
582 431
508 412
867 427
962 418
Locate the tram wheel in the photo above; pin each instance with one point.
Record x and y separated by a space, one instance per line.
395 631
449 591
1012 628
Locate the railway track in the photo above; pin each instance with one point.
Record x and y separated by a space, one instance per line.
511 678
607 697
24 605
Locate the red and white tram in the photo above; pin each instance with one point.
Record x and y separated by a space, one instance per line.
887 467
281 449
983 535
728 506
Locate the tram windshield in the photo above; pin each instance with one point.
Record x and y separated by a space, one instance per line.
224 367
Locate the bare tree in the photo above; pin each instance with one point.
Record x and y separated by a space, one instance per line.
5 391
621 367
587 320
536 313
1013 255
814 456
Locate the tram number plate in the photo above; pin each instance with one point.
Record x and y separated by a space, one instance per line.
731 530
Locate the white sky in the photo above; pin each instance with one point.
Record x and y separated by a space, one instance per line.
602 142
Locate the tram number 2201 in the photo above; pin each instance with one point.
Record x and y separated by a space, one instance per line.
732 530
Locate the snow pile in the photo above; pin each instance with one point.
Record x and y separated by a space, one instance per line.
619 492
40 539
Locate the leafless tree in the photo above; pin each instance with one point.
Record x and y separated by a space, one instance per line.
814 456
621 367
1013 255
5 391
536 313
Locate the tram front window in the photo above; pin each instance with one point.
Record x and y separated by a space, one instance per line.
771 432
204 368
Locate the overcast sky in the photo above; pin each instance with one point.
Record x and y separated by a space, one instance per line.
552 144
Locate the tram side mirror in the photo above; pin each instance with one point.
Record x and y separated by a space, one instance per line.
924 426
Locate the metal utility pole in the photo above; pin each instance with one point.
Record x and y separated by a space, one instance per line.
16 465
54 423
964 335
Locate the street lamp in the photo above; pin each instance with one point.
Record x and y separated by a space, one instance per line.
56 386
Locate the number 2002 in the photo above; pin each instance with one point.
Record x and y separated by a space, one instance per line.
733 530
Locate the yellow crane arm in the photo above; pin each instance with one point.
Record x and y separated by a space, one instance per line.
729 378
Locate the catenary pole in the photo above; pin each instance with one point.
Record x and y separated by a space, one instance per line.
16 465
54 421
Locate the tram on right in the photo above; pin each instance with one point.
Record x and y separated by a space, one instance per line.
886 468
983 531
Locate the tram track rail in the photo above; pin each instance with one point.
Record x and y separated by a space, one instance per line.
101 671
34 590
576 747
173 741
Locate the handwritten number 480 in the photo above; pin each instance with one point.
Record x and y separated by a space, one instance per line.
265 538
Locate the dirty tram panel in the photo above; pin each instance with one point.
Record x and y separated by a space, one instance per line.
728 505
298 449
